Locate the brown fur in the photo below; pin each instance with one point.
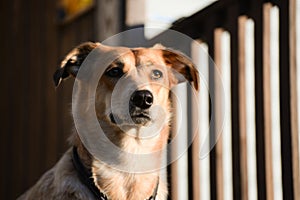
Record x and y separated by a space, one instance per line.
62 182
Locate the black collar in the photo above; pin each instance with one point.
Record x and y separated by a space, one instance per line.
87 179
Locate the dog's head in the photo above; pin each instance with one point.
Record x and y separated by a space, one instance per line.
134 89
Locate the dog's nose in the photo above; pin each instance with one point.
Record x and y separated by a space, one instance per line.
142 99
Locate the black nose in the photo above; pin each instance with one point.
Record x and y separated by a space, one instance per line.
142 99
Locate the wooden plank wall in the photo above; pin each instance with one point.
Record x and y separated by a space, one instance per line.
35 118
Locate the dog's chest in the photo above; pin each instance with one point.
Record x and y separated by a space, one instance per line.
118 186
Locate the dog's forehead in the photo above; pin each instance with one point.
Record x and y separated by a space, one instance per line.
149 53
142 56
146 55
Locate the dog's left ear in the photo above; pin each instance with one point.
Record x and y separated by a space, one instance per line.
71 63
183 67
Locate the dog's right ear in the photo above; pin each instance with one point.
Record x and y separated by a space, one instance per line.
72 62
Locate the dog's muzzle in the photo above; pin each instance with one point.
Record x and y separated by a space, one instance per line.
139 104
142 99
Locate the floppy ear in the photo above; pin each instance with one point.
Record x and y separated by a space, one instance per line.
71 63
183 68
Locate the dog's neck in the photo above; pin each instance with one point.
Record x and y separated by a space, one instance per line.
123 185
129 185
86 177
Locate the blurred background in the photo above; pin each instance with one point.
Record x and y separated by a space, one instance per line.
255 48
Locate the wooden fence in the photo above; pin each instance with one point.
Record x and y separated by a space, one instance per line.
253 45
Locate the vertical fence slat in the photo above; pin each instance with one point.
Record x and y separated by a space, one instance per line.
195 163
195 54
250 109
218 108
227 117
242 105
201 121
222 109
267 100
251 139
274 83
179 168
294 97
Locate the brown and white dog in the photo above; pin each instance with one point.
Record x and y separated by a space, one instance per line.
147 75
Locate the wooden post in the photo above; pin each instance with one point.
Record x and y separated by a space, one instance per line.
242 106
109 18
219 101
267 100
294 101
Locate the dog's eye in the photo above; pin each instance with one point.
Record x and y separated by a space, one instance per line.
156 74
115 72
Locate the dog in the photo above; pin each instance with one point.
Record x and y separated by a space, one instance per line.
147 75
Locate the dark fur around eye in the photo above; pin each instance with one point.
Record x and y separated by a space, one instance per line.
115 72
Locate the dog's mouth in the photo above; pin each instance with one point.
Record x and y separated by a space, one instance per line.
138 118
141 118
